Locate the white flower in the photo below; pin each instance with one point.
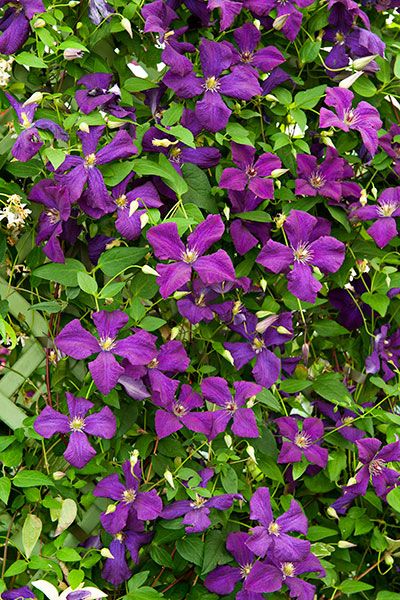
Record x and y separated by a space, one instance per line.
80 593
15 212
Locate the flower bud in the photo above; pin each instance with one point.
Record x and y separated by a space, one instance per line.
352 481
134 205
126 24
113 244
72 53
79 25
111 508
263 284
331 512
257 24
280 22
363 198
179 295
36 98
137 70
39 23
133 458
168 477
163 143
251 453
84 127
147 270
280 220
227 212
283 330
389 560
360 63
105 552
228 440
263 325
57 475
348 81
144 219
73 3
344 544
278 172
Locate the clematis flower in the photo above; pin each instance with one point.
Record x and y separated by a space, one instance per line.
212 423
75 341
302 442
55 198
325 179
251 173
352 43
247 38
342 420
229 10
130 539
241 83
98 92
291 17
131 207
386 353
271 576
373 458
364 118
196 512
167 245
146 506
259 336
342 14
99 10
79 451
271 536
22 593
391 147
310 245
14 24
384 229
178 153
81 592
28 142
76 171
222 580
175 413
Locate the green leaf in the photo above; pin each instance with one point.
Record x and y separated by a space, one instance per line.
396 69
51 307
68 555
331 388
172 115
31 531
144 593
309 51
152 323
229 480
64 273
388 596
87 283
135 84
336 464
316 533
199 188
309 98
292 386
191 549
118 260
259 216
164 169
353 587
378 302
26 478
364 87
298 469
161 556
330 328
75 577
30 60
67 515
16 568
55 156
114 173
214 551
239 134
5 489
393 498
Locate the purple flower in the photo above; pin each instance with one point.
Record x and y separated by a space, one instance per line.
130 539
55 198
352 42
265 59
310 245
229 10
98 92
222 580
273 331
175 412
342 14
155 140
325 179
95 201
347 301
195 512
364 118
241 83
341 420
251 173
77 342
79 451
386 353
99 10
146 506
216 389
383 212
271 536
132 205
196 307
246 234
22 593
28 142
270 576
167 245
291 17
14 24
302 442
373 458
391 147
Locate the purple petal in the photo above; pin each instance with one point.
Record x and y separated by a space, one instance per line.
244 423
264 578
166 424
114 522
302 284
212 112
172 357
108 323
75 341
116 570
275 257
109 487
50 422
216 390
173 277
293 519
206 234
103 424
260 507
197 520
166 241
120 147
148 505
215 268
222 580
79 451
328 254
267 368
233 179
105 371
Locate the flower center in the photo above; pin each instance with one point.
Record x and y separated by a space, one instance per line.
121 201
175 154
251 171
376 466
274 529
179 410
347 420
387 209
90 160
107 344
231 406
212 84
97 91
199 502
190 256
302 440
316 180
153 364
53 215
350 117
120 536
25 120
77 424
246 57
258 345
339 37
245 570
288 569
200 301
129 496
302 253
